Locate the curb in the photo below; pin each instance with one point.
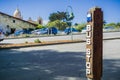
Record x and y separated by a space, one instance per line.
111 38
23 45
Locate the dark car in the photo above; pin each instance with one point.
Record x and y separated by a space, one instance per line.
53 30
19 32
68 30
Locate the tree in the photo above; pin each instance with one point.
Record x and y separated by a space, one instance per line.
111 24
62 16
104 22
57 16
39 26
58 24
61 20
118 25
79 27
76 24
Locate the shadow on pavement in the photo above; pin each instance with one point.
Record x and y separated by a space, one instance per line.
41 65
50 65
111 69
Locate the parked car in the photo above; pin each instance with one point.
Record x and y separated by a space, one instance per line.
68 30
51 30
19 32
61 32
40 31
108 29
1 35
83 30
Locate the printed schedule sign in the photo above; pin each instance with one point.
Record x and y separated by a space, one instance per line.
94 43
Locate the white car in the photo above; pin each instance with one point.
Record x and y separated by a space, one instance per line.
84 30
1 35
108 29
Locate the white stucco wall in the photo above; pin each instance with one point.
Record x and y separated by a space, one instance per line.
18 24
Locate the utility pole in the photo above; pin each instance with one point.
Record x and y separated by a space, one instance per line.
94 44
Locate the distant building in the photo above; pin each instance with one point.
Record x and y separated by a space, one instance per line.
38 21
17 14
11 23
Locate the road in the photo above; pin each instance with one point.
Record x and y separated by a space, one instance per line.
56 62
54 38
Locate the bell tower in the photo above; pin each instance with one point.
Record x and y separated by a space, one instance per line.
17 13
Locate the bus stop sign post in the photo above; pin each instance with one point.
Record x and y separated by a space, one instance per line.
94 44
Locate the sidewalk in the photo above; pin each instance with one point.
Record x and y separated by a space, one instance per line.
32 44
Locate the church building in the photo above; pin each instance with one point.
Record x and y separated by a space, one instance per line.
11 23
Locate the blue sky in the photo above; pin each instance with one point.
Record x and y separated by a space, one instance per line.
43 8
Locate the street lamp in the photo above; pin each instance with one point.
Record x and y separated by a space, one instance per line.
69 18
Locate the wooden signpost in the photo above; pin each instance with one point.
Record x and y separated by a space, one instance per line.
94 43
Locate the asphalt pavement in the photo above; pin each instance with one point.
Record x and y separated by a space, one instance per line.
56 62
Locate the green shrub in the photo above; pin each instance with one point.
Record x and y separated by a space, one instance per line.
37 41
26 35
79 27
26 42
